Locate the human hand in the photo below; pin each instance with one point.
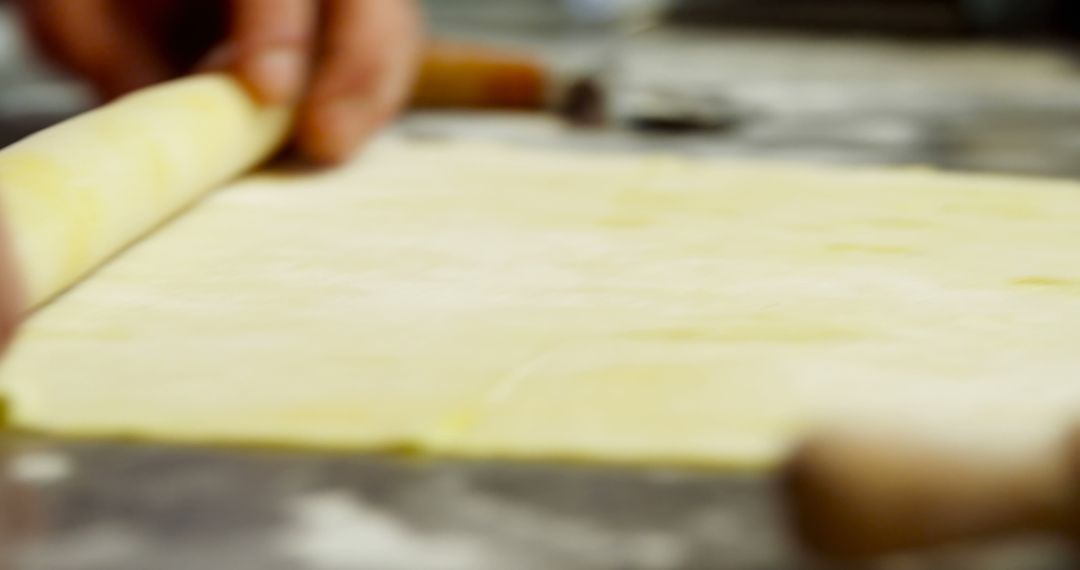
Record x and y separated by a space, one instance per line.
348 64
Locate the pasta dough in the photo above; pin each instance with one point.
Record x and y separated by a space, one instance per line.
77 193
465 299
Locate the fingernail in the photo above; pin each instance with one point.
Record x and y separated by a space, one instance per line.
277 75
335 132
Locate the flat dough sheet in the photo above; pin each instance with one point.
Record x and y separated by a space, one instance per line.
465 299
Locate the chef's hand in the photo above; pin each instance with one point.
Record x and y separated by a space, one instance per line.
349 63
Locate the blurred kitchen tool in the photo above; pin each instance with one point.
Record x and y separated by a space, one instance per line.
470 76
671 111
857 497
606 95
455 75
463 76
458 75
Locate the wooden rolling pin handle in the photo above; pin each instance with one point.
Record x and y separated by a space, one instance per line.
459 75
854 498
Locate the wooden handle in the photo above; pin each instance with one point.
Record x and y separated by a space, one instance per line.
470 76
852 498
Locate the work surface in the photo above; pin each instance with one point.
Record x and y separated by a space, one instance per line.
122 506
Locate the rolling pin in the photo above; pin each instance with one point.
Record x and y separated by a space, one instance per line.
855 497
77 193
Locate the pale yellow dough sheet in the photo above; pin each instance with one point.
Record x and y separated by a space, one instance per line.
464 299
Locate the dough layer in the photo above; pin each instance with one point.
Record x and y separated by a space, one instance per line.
463 299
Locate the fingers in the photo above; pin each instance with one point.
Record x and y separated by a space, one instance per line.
185 30
93 40
270 45
363 70
363 77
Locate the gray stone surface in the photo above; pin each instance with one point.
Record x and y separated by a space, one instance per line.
134 507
